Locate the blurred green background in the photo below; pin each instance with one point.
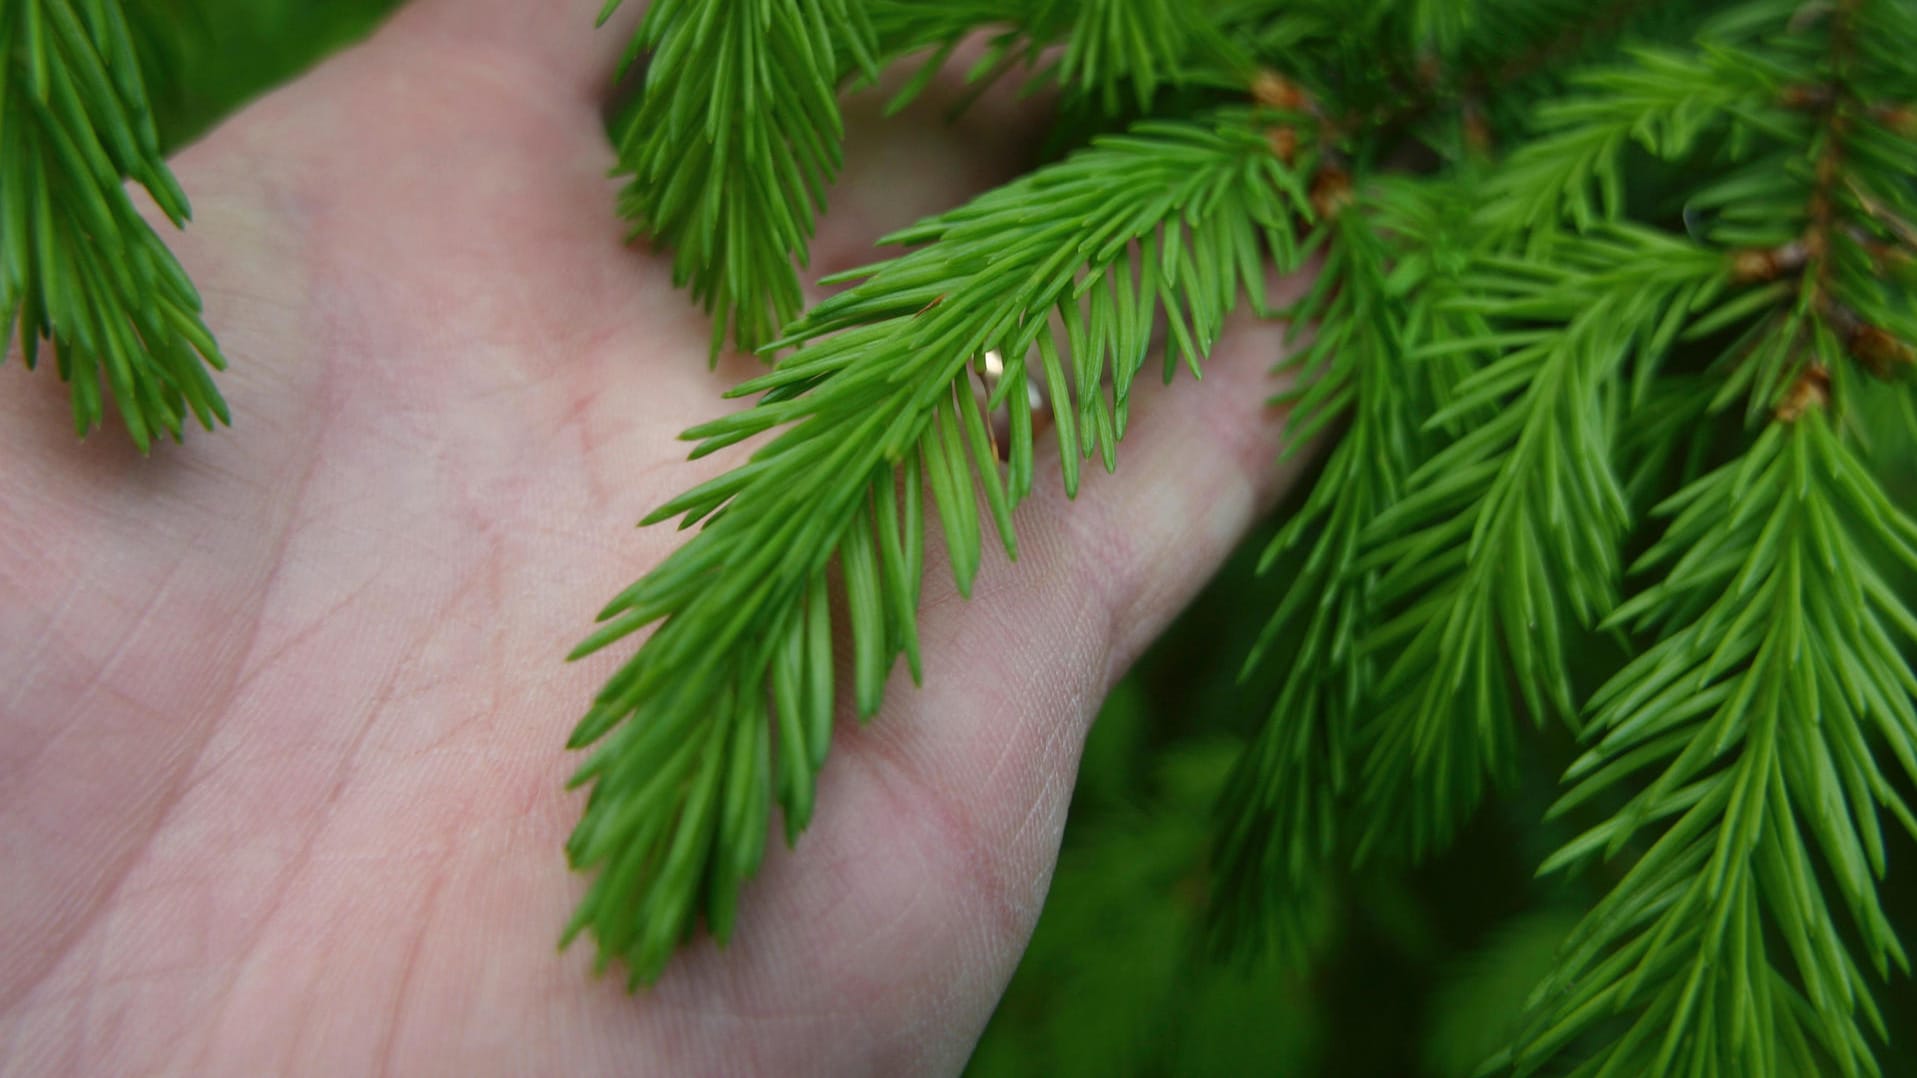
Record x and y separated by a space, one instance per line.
1413 972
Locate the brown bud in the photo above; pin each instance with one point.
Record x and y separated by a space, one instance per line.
1826 173
1815 243
1274 91
1331 192
1901 120
1810 390
1882 353
1751 265
1800 96
1477 133
1284 143
1886 257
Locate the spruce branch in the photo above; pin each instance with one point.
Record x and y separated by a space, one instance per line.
1277 829
1781 657
733 187
1279 818
1665 101
731 183
1466 578
1510 532
79 266
1780 662
727 707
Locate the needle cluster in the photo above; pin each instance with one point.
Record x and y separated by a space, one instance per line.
80 268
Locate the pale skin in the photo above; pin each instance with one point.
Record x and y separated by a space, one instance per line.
282 710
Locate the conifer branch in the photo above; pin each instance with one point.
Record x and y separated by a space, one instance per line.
79 266
1664 102
1780 662
1277 819
733 187
1282 817
1782 654
732 184
1481 566
727 707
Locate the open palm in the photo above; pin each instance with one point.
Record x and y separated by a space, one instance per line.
282 709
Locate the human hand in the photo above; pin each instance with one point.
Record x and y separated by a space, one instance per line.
282 709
